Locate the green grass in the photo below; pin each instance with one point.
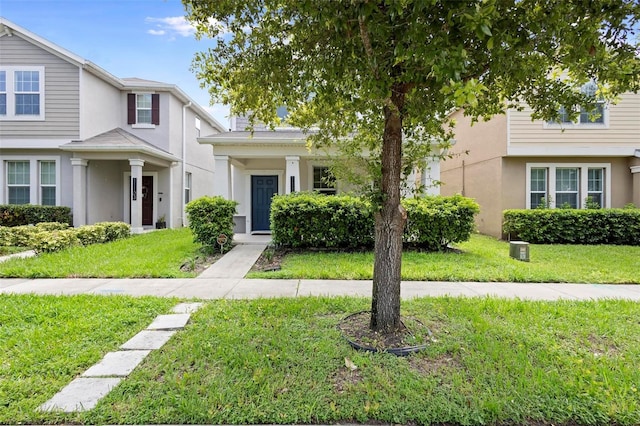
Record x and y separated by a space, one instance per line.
490 361
46 341
481 259
157 254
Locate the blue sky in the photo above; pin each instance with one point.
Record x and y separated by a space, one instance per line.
129 38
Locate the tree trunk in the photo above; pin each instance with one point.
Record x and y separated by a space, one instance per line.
389 224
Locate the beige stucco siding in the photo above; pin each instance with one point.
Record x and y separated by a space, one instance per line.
621 128
61 92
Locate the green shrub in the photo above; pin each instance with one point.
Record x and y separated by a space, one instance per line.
209 217
433 222
27 214
115 230
51 226
20 236
91 234
345 222
574 226
48 242
315 220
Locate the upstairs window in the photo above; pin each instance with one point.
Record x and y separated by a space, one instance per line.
21 93
3 93
323 181
596 116
143 109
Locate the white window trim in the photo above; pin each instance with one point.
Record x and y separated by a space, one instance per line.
137 125
583 184
34 176
11 98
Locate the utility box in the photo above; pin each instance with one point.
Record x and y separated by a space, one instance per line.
519 250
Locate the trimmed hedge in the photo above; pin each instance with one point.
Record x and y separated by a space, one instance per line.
303 220
49 237
27 214
311 220
574 226
434 222
209 217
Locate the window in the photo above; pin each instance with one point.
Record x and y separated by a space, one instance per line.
323 180
18 182
585 117
197 127
30 181
187 187
3 93
22 93
27 92
595 185
143 109
568 185
538 193
48 183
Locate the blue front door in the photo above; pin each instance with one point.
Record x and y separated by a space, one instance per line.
262 189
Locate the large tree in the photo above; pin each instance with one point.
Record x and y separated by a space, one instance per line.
382 77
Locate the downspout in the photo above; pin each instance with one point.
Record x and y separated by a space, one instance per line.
184 160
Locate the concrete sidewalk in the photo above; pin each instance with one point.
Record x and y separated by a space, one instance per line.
225 280
239 288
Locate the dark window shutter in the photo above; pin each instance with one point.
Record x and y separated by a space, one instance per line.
131 108
155 109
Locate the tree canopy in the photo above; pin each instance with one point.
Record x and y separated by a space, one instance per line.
384 75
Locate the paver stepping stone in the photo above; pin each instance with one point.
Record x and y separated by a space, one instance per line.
82 394
186 308
116 364
169 322
148 339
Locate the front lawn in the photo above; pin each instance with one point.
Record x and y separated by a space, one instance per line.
490 361
158 254
47 341
480 259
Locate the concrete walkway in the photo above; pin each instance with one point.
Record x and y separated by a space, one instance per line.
225 280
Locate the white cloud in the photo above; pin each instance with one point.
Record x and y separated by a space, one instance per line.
173 25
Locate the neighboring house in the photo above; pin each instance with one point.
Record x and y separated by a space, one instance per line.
516 163
251 168
113 149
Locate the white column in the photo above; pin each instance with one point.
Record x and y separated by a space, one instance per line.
293 174
136 196
222 178
431 175
635 170
79 191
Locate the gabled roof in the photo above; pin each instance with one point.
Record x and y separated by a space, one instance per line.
9 29
118 140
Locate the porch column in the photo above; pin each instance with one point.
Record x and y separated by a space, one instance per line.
222 181
79 191
431 176
635 170
292 181
136 196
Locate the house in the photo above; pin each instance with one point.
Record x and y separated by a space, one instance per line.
252 167
112 149
516 163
